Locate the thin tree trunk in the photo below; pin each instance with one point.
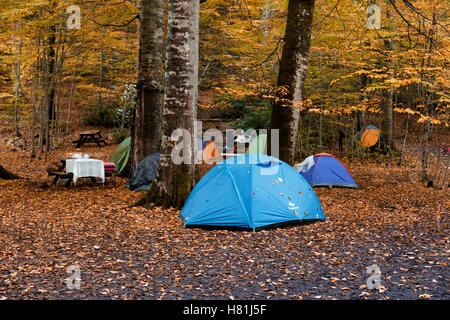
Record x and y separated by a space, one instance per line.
436 174
16 99
404 140
308 133
354 143
58 108
300 140
291 77
34 115
446 172
362 113
17 74
100 81
387 134
71 96
43 115
426 137
415 165
265 19
60 97
426 102
51 73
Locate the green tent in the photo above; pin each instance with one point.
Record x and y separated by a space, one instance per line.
121 155
258 146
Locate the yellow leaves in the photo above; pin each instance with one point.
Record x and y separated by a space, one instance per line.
204 105
5 95
397 83
319 111
430 119
406 110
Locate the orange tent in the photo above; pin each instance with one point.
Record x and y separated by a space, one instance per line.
210 151
368 136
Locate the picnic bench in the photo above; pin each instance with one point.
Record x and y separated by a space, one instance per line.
68 176
88 137
61 173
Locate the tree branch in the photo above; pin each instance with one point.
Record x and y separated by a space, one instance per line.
116 25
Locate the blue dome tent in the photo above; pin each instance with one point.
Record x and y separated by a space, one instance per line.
251 191
324 170
144 173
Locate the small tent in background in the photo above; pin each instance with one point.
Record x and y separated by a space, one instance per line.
323 170
201 144
210 151
145 173
251 191
121 155
369 136
244 138
259 145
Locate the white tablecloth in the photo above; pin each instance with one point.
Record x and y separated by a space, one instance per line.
85 168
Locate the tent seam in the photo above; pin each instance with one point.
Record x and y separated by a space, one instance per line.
250 224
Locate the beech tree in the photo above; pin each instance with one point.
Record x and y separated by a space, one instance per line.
146 132
291 77
174 182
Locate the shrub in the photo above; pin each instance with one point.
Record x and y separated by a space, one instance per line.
103 114
127 118
120 134
254 118
255 113
125 111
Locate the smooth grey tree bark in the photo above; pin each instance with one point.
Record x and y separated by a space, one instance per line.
174 182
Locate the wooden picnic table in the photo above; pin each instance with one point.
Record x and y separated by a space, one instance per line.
61 173
68 176
89 136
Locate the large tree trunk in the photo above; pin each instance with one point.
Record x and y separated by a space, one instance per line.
5 174
175 181
146 132
285 110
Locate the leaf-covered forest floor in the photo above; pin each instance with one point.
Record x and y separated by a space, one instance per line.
134 253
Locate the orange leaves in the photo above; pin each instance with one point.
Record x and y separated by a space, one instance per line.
318 111
406 110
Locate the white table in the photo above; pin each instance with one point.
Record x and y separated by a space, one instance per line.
81 168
